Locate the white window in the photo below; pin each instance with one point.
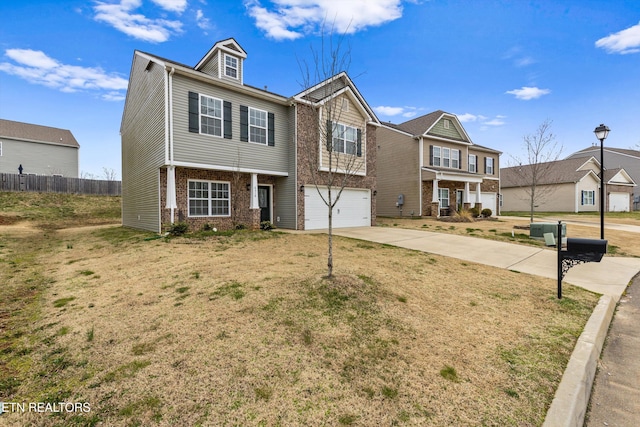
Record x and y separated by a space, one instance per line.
231 66
436 156
443 196
455 159
0 148
210 116
472 163
446 124
209 198
588 197
446 157
489 170
345 139
257 126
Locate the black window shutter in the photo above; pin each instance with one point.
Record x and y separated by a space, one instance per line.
194 113
244 123
271 133
459 159
485 165
359 143
431 155
227 119
329 135
582 197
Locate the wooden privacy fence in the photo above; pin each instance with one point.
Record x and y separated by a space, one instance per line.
59 184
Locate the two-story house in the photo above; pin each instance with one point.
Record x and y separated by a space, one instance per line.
428 166
31 149
200 145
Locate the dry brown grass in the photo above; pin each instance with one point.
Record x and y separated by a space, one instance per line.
621 243
243 330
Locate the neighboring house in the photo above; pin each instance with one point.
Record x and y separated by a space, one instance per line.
41 150
570 185
617 158
201 146
429 166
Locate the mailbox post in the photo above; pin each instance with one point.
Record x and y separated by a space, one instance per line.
578 251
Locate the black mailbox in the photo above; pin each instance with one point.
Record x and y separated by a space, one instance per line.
586 249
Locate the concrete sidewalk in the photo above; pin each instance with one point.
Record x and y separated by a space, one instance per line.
608 277
616 400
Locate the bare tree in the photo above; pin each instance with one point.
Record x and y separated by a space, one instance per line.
109 174
541 150
335 144
87 175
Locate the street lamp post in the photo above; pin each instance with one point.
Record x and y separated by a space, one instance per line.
602 132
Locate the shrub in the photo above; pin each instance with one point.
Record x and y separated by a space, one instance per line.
178 228
486 212
241 227
266 225
475 212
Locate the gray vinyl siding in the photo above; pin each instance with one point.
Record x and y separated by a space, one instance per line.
211 67
217 151
398 164
143 146
286 187
439 130
38 158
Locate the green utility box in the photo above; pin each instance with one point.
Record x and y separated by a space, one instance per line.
538 229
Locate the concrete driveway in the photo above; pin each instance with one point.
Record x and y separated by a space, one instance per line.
609 277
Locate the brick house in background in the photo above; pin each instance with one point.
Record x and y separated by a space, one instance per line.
41 150
428 166
200 145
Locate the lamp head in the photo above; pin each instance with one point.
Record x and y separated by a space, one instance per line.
602 132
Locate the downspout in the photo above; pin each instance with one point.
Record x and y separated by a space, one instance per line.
420 165
171 177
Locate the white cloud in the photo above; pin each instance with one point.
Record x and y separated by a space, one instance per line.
527 93
622 42
121 17
495 122
36 67
202 22
172 5
468 117
406 111
291 19
388 111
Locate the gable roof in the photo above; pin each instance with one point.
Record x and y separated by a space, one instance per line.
37 133
559 172
332 87
420 125
229 45
618 176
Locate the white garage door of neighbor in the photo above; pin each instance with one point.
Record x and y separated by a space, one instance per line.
488 201
618 202
352 210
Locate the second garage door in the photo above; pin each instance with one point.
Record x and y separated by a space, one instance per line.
619 202
353 208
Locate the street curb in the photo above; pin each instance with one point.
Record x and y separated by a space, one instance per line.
569 404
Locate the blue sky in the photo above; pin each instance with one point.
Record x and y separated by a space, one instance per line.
502 66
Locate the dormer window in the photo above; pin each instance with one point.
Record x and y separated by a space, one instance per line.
231 66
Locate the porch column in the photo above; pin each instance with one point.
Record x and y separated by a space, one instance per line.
466 203
171 191
478 197
254 192
435 200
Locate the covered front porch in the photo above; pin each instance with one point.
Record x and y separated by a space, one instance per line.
445 192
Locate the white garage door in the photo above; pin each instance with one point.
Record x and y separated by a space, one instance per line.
488 201
353 209
618 202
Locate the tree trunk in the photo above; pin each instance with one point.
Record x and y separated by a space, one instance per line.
330 256
532 206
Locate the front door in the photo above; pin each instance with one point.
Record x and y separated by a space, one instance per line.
264 201
459 199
